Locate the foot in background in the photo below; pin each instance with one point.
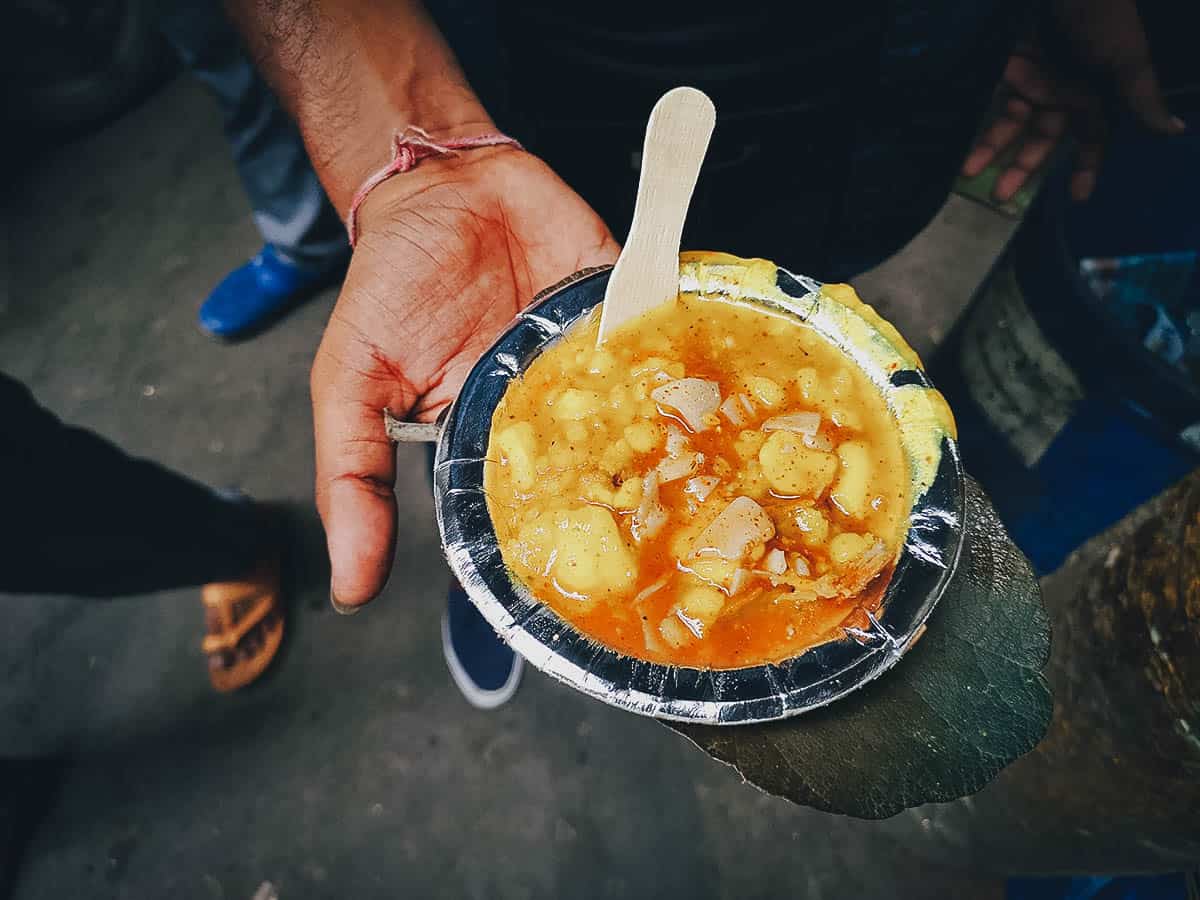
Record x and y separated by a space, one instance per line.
244 617
244 620
484 668
254 295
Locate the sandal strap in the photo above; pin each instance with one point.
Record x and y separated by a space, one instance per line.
231 636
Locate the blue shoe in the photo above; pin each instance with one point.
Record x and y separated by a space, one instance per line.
254 295
484 668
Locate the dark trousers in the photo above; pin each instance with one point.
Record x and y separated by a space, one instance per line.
840 126
79 516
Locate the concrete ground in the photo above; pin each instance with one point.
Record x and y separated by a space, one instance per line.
356 770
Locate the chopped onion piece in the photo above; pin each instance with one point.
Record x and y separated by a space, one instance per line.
701 486
651 589
746 404
738 581
650 636
651 516
800 564
817 442
693 398
672 468
677 441
695 626
776 562
733 411
799 422
740 525
654 365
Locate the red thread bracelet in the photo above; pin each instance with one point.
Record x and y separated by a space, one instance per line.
409 147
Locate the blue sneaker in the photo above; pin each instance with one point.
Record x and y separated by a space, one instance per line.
254 295
484 668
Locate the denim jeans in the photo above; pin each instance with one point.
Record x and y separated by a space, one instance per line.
290 207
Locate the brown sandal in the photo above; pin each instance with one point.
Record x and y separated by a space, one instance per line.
245 627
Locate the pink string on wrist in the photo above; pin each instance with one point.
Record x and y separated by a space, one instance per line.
409 147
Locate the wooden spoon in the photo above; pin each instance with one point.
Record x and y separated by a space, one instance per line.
647 271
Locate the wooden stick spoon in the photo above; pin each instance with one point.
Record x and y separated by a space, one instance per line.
647 271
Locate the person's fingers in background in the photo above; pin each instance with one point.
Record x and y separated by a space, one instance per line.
1046 129
1031 122
1027 75
1138 86
998 136
1108 40
1041 108
1101 51
1090 129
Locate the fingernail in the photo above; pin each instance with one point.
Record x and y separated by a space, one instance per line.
341 609
1178 126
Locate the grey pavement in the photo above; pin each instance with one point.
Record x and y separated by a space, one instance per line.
356 770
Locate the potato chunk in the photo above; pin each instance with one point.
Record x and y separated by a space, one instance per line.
574 404
601 363
748 443
534 544
845 417
809 383
702 603
698 607
616 456
643 436
848 546
850 492
793 469
515 445
627 497
596 488
591 559
674 632
800 522
765 391
713 570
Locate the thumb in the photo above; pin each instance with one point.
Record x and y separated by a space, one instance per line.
355 467
1138 85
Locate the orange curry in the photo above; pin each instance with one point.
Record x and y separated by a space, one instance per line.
717 486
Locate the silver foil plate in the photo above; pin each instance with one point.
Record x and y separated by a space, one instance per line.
759 693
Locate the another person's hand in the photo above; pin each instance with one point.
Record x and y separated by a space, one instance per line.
1100 54
447 254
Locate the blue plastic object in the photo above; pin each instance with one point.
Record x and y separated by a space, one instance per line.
254 295
1156 887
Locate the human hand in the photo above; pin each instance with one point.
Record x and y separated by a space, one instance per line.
447 254
1101 54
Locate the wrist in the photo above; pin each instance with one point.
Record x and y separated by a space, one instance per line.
439 160
345 163
352 75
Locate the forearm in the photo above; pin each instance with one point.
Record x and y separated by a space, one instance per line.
352 74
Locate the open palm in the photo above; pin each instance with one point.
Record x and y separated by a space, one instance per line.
446 256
